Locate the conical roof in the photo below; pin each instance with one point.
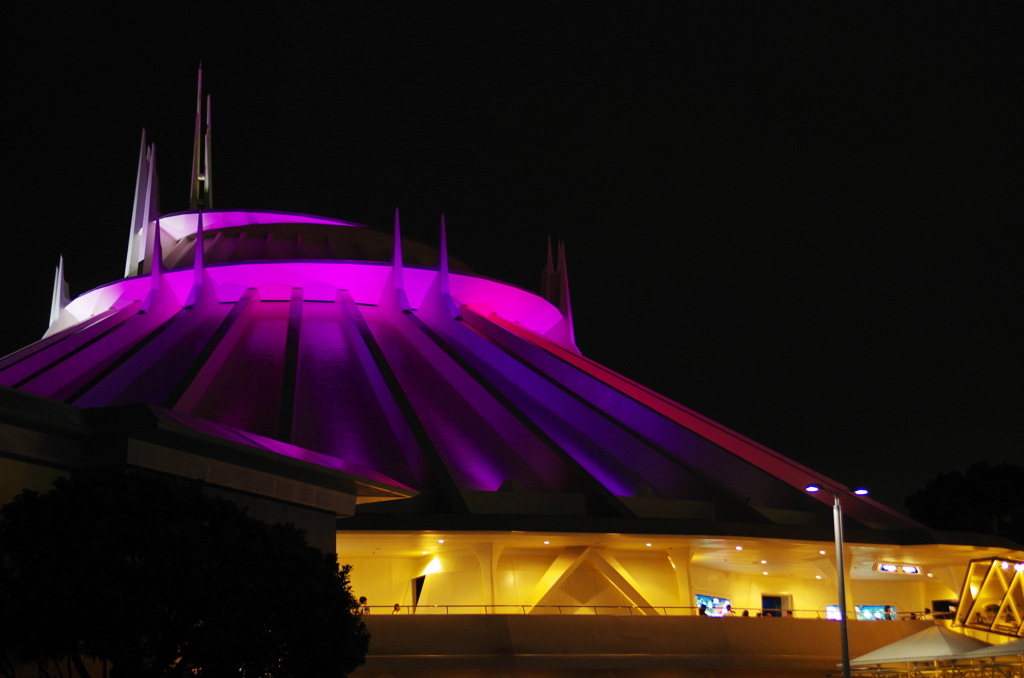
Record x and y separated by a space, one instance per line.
935 643
469 390
358 346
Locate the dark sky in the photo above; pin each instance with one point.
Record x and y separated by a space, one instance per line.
801 220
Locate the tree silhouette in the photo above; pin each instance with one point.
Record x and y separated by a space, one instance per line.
152 577
987 499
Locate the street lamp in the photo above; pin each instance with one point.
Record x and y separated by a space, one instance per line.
837 524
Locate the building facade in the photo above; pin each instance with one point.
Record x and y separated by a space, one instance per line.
437 428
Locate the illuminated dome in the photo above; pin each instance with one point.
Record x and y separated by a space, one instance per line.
322 334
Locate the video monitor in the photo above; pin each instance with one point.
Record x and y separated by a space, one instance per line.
873 612
716 606
864 612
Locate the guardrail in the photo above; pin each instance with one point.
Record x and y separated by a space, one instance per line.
615 610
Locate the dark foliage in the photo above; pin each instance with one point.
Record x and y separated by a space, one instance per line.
151 577
987 499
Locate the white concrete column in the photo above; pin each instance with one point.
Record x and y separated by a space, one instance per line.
679 558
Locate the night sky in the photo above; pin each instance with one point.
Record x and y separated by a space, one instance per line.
801 220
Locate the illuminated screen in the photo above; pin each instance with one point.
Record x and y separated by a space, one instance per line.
864 612
872 612
716 606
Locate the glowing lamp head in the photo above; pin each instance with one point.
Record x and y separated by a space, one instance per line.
812 488
861 491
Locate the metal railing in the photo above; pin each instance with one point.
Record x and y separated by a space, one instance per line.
615 610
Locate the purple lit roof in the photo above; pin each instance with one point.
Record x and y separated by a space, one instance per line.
325 343
444 382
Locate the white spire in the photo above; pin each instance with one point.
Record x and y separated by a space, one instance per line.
201 196
208 158
60 293
131 262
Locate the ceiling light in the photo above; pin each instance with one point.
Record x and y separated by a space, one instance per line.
547 542
897 568
821 552
648 544
812 488
764 562
739 548
817 576
861 491
764 573
440 541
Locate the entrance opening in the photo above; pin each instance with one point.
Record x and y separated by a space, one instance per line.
771 605
944 609
417 589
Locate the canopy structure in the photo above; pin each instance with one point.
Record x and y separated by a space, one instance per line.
939 651
934 644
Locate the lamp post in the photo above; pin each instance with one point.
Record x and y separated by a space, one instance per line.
837 525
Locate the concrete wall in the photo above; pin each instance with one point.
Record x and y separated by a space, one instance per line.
574 645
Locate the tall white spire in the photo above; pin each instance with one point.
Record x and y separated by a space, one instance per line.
201 195
60 293
139 216
208 157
